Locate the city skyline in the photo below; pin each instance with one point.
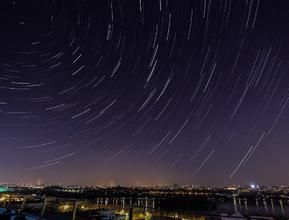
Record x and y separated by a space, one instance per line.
144 92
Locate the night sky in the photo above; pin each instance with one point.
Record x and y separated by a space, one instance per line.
144 92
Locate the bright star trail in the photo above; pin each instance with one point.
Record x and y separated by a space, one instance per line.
144 92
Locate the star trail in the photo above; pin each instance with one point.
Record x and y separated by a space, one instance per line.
144 91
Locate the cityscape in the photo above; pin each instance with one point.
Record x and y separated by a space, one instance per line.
144 109
168 202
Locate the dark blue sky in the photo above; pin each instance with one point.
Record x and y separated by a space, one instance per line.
144 92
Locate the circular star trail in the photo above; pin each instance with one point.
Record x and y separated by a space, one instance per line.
144 91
